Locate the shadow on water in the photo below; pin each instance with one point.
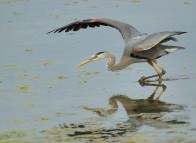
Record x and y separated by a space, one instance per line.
140 112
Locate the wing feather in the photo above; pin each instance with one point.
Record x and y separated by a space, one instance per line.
127 31
154 39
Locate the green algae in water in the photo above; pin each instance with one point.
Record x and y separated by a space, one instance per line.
23 88
13 134
22 75
44 118
34 78
83 81
10 66
135 1
92 7
65 113
48 63
28 50
15 137
61 77
12 1
29 106
17 13
90 73
188 2
142 139
18 121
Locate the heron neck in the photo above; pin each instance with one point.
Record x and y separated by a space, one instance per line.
111 64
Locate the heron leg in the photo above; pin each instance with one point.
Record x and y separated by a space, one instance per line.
150 62
162 70
163 90
151 98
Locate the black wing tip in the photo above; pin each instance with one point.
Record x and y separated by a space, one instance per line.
73 23
55 31
181 32
50 32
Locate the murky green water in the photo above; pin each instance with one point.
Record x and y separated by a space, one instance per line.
44 97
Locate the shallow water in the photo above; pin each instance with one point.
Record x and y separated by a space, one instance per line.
44 97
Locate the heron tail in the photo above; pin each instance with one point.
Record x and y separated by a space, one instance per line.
171 49
158 51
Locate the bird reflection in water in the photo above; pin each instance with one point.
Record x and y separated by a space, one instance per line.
139 111
150 109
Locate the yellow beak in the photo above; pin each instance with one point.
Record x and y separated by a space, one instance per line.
85 62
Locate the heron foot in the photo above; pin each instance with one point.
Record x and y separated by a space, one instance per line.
143 80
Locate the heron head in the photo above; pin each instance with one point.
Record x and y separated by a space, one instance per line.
95 57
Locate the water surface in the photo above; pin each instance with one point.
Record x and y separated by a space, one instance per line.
44 97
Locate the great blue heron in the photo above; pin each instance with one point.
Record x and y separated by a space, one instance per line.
139 47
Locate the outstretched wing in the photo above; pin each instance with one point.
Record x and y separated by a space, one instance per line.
152 40
127 31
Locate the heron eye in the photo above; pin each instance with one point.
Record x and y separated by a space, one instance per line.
95 57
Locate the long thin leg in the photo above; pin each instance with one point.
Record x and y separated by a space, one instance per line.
163 90
151 97
163 71
158 73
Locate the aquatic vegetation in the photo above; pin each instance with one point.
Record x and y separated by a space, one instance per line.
23 88
135 1
18 121
34 78
83 81
44 118
30 106
90 73
28 50
188 2
48 63
13 134
142 139
93 6
65 113
12 1
61 77
17 13
14 66
22 75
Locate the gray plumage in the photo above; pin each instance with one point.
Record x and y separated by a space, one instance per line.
139 47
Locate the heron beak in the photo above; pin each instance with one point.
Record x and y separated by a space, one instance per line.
85 62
